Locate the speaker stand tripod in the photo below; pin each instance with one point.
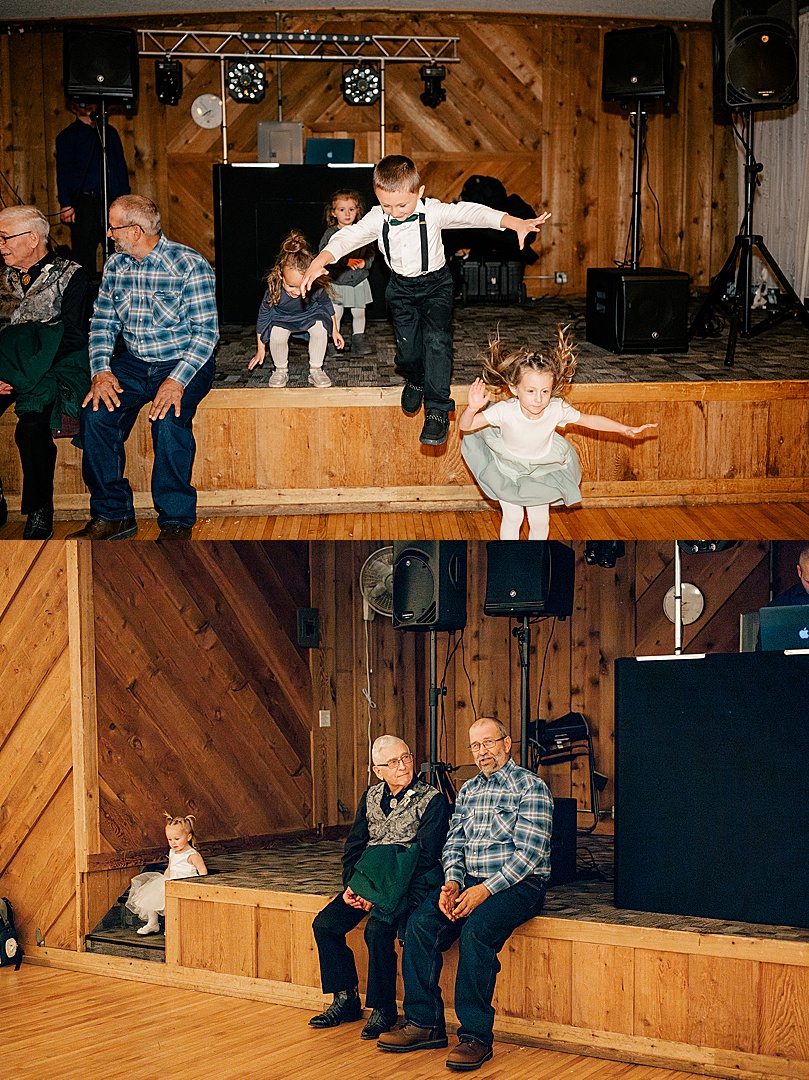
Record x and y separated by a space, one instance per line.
740 263
523 635
436 772
637 165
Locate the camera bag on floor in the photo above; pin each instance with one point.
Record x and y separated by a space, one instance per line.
10 948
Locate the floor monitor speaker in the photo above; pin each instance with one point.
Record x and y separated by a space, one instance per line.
755 53
563 841
429 584
529 577
637 311
641 64
101 62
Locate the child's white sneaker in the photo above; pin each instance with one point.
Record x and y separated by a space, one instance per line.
318 377
151 927
280 377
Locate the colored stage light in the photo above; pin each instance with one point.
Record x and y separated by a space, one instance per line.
245 81
434 92
361 85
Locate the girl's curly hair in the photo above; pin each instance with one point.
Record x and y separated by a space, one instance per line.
295 254
504 367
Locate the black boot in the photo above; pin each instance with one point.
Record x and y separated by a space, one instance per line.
3 507
345 1007
380 1021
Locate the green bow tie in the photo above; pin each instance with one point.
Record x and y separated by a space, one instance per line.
404 221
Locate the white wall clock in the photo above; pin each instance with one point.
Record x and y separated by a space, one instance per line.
206 111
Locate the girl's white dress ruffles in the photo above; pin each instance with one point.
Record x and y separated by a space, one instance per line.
147 892
525 461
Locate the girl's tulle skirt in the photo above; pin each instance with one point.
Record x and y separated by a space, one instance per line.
147 894
352 296
523 483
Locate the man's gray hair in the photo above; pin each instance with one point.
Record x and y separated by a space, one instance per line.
384 746
138 210
25 219
502 730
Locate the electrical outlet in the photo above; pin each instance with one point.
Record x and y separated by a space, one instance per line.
560 278
324 717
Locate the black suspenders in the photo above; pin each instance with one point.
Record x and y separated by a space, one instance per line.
425 256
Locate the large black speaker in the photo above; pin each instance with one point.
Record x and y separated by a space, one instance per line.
100 62
637 311
755 53
641 64
563 841
429 584
529 577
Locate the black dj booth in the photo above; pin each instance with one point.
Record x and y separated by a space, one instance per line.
255 206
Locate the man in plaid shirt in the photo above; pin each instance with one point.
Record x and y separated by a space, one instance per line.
160 297
496 868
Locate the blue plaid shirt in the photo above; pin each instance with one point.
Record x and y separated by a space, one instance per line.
501 829
165 306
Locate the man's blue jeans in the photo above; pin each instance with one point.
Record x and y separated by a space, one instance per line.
480 938
104 434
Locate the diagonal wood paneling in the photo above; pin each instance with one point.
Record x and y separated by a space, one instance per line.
204 699
37 860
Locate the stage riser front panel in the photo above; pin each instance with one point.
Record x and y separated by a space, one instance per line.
722 1005
348 450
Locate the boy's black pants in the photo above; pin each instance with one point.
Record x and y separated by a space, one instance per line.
421 308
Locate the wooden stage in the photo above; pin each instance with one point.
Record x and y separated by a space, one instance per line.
263 452
707 997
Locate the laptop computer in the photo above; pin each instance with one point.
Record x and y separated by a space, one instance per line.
785 627
329 152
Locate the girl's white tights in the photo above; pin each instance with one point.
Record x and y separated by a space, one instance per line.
152 925
279 345
538 521
357 318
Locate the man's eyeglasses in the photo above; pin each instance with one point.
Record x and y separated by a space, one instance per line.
13 236
394 763
487 744
117 228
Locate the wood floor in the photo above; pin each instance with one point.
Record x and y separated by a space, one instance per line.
61 1025
746 521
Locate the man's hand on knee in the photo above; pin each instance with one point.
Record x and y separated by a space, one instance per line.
169 395
104 387
447 898
470 899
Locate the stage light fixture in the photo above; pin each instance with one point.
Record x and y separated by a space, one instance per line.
361 85
603 552
168 81
705 547
434 92
246 82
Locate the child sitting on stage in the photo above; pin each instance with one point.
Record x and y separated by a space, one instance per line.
285 311
147 892
349 278
408 230
513 449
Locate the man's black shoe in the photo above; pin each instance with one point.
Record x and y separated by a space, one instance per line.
345 1008
434 432
412 397
380 1021
3 507
39 525
174 532
96 529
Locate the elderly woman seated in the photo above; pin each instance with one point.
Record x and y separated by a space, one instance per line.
44 367
391 862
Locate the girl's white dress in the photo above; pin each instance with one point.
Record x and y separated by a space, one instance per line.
522 460
147 892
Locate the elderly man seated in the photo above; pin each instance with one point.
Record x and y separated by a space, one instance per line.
44 367
391 862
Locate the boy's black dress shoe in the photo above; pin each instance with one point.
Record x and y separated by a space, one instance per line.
39 525
412 397
346 1007
436 426
96 529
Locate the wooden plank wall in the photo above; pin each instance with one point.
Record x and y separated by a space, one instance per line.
204 699
523 105
37 860
617 612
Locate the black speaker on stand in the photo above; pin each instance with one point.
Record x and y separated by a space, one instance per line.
101 67
755 68
629 309
429 594
526 578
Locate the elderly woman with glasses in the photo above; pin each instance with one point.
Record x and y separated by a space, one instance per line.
390 863
44 366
